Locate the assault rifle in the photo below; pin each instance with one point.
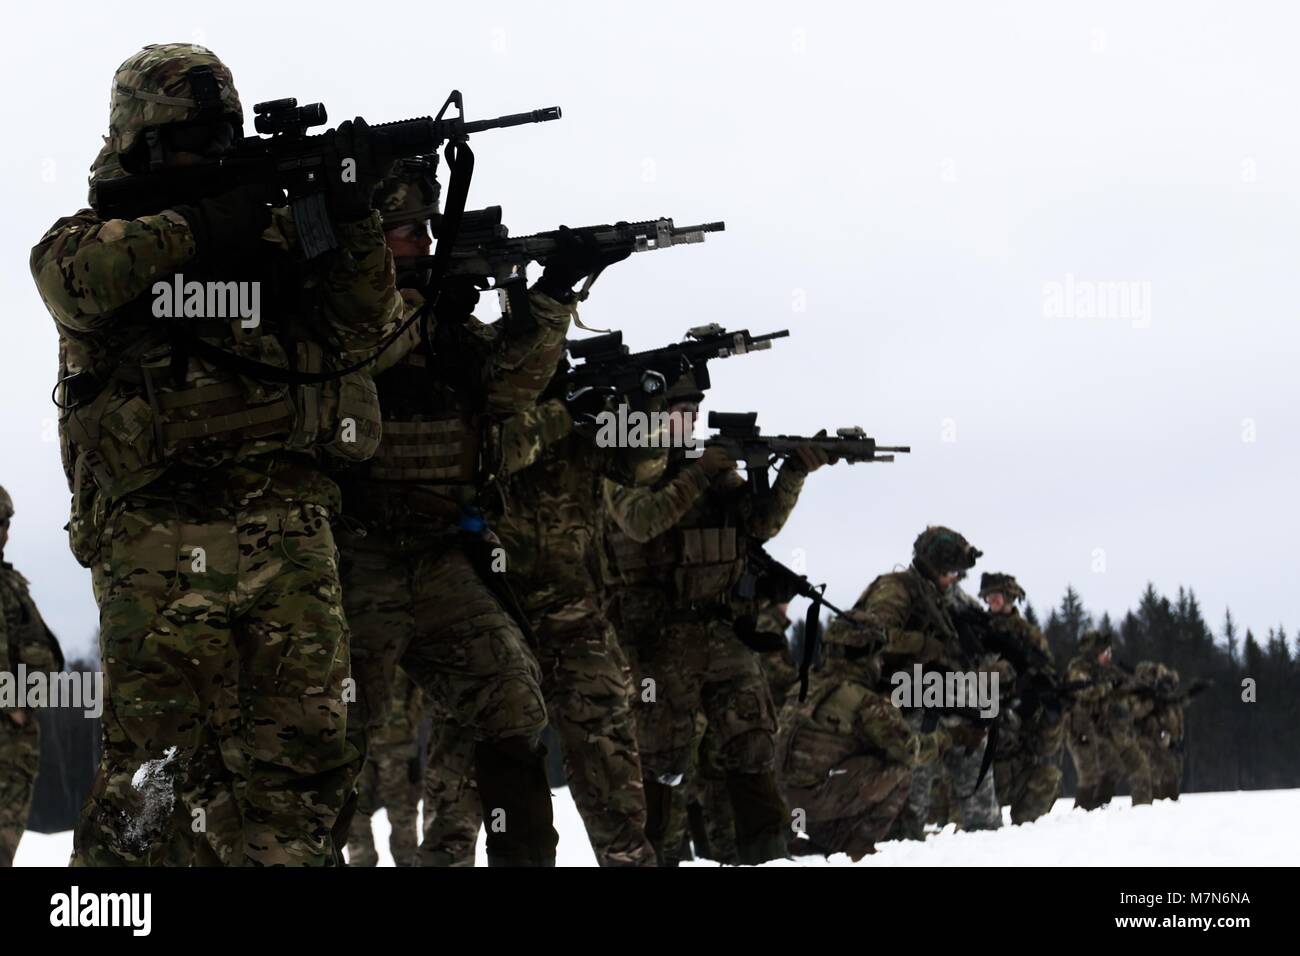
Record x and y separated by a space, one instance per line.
1038 686
607 362
487 257
766 578
289 158
738 434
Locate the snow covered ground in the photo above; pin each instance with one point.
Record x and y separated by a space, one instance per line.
1202 829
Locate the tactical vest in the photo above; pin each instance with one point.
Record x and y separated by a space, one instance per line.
434 457
125 416
701 559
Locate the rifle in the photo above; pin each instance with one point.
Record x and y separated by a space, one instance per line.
1165 697
607 362
486 256
767 578
288 158
738 434
1038 687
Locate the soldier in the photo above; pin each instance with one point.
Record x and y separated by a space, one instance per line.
677 550
198 499
1027 764
391 779
1099 728
846 754
551 537
911 612
1159 719
421 568
24 639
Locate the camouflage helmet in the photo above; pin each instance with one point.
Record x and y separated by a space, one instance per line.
939 550
1094 641
6 505
156 87
994 583
409 193
1147 671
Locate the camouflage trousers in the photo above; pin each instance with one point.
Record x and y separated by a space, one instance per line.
1166 765
431 611
1103 758
973 809
1027 771
856 797
390 779
684 670
710 817
20 755
225 656
453 812
585 679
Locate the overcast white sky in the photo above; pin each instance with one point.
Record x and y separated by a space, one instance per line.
902 184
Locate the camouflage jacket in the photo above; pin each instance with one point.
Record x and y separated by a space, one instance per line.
1102 707
553 525
1016 626
24 637
686 535
845 717
135 398
903 614
443 444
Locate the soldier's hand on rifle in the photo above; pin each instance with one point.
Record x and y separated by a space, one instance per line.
352 184
232 220
808 459
715 461
586 403
577 256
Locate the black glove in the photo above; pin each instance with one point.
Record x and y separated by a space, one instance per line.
352 200
586 403
232 220
576 256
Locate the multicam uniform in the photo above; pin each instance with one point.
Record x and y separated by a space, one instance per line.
551 536
419 581
1160 728
910 615
200 507
846 755
1099 730
390 779
1027 764
677 550
24 639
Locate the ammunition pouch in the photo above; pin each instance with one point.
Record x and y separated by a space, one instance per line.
709 565
442 451
127 426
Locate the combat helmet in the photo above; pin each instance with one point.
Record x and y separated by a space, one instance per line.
6 505
409 193
938 550
1093 641
994 583
168 83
